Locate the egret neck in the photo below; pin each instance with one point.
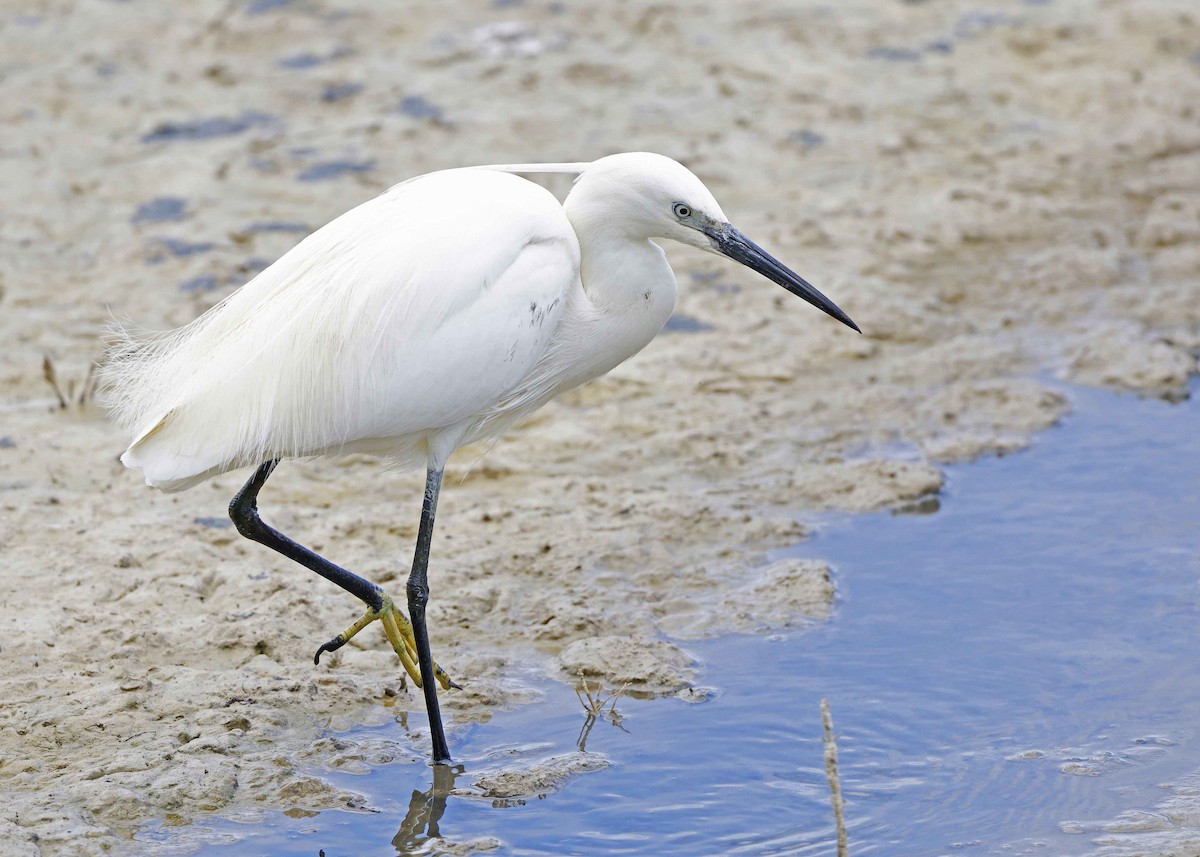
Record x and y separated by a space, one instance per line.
629 289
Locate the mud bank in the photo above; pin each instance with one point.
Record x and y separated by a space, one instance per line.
997 194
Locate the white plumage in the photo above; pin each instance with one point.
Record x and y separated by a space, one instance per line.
391 321
434 315
428 317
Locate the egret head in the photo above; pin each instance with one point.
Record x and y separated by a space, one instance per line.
650 196
655 197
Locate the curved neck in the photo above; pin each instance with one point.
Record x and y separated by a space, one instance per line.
624 295
621 270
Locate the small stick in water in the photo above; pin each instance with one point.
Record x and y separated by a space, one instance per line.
835 784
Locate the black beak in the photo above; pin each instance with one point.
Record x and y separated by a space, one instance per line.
738 247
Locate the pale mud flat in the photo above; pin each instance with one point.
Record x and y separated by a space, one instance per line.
1000 195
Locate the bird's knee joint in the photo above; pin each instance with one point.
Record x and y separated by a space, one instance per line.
245 518
418 594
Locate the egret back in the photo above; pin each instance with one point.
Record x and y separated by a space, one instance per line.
406 316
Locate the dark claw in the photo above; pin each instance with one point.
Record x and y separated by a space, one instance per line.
455 685
332 646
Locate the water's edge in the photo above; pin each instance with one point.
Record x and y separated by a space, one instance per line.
1006 675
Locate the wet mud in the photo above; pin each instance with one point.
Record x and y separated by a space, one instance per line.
999 196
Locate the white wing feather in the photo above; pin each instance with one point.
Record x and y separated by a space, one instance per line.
407 315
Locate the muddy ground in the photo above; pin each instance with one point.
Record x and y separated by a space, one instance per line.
1002 195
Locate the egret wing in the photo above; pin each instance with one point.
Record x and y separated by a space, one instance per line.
401 316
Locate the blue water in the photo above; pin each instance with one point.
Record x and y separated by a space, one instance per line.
1021 659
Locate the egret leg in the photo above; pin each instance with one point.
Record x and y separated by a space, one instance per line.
243 509
418 597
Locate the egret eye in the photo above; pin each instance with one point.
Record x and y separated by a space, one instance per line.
681 210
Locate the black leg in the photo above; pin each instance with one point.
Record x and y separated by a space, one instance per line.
418 596
243 509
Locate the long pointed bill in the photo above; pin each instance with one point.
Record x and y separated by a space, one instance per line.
738 247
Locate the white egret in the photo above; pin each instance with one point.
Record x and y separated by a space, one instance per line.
432 316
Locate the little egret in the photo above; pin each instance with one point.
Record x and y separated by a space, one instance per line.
432 316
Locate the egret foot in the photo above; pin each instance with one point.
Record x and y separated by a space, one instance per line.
399 633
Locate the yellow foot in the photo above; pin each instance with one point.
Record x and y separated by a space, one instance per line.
399 633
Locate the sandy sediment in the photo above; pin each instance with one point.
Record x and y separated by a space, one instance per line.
1000 198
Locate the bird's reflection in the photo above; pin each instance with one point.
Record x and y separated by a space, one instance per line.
425 810
422 822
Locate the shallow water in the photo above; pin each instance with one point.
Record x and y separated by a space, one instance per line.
1014 667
